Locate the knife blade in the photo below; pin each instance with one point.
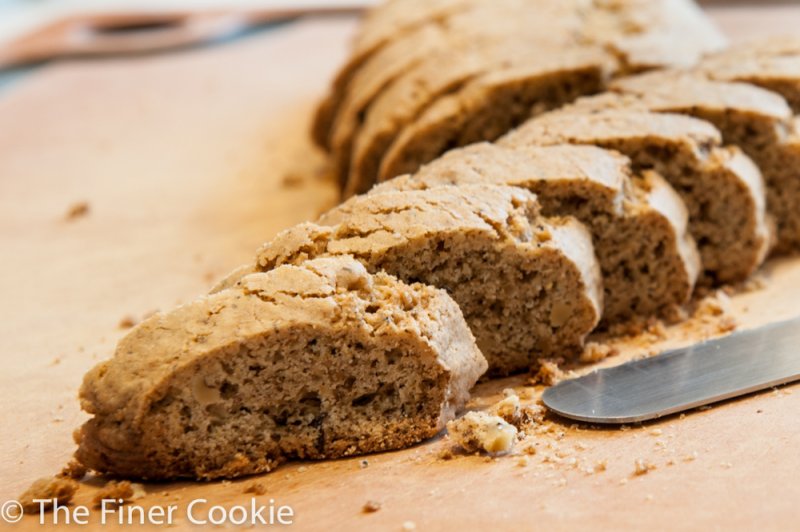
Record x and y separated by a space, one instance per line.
682 379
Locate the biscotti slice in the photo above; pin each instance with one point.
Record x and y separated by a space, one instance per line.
484 109
757 120
320 360
721 187
639 225
528 286
772 63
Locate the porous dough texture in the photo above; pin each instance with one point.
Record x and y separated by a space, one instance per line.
529 286
638 223
320 360
722 188
755 119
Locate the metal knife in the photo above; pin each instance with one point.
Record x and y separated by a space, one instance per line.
678 380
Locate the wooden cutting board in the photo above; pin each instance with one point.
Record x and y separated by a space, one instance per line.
186 163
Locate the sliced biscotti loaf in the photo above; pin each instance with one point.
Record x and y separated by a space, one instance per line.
757 120
319 360
648 259
772 63
397 138
721 187
528 286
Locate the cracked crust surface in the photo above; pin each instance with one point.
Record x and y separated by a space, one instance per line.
528 286
320 360
722 188
638 223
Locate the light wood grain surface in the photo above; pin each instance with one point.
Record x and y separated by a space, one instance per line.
187 163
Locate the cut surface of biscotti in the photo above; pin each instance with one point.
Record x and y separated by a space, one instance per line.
648 260
319 360
757 120
721 187
528 286
772 63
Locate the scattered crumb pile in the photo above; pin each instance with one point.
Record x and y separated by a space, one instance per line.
480 431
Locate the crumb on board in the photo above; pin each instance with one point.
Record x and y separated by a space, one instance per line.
547 373
49 488
507 408
479 431
446 454
371 506
256 488
409 525
595 352
74 470
642 467
292 180
118 491
363 464
77 210
127 322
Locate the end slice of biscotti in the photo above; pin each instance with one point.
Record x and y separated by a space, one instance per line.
319 360
757 120
721 187
639 224
528 286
